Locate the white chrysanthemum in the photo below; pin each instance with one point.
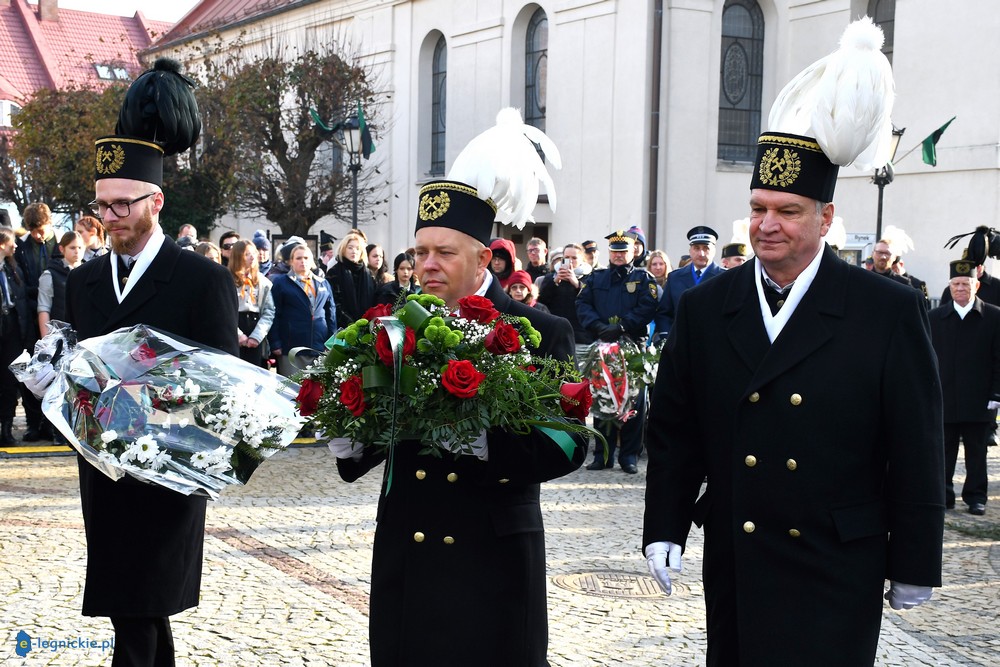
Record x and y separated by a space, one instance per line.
201 460
109 436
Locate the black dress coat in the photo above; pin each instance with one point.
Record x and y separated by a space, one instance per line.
968 353
144 542
823 456
458 570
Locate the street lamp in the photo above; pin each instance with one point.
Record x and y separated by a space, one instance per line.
351 140
884 176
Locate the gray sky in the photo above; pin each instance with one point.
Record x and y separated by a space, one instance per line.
158 10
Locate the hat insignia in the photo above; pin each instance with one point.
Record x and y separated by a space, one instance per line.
432 208
111 160
779 170
963 267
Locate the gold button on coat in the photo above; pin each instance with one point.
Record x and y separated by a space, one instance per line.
794 533
418 537
420 474
504 480
754 397
791 464
452 477
750 460
748 527
795 399
449 539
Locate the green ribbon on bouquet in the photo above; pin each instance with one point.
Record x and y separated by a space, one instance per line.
396 330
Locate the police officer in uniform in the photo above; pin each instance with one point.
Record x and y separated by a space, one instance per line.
628 295
701 247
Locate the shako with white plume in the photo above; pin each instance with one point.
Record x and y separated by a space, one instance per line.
495 178
739 245
158 117
835 113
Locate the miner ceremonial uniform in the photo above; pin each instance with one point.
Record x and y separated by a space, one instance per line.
815 424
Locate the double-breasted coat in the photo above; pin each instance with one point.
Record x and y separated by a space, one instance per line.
823 457
458 570
968 352
144 542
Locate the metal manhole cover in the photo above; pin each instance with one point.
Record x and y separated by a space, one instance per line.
610 584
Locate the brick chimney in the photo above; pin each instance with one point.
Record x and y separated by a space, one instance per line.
48 10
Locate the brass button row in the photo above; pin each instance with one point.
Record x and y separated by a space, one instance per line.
749 527
422 474
750 461
794 399
419 537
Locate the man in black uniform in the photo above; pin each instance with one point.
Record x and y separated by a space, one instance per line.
966 337
615 302
144 542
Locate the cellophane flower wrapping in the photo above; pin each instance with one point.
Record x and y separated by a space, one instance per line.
617 372
141 402
456 376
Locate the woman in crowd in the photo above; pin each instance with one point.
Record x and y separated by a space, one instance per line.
210 250
658 264
521 288
14 325
352 283
404 283
502 264
52 282
256 305
376 264
92 231
304 311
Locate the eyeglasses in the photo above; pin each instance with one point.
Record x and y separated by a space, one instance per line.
228 246
121 208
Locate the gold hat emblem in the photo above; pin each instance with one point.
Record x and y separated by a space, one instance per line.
780 170
963 267
433 207
110 160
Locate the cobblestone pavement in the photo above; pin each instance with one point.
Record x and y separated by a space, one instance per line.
286 575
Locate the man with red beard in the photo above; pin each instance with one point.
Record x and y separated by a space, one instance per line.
458 569
144 542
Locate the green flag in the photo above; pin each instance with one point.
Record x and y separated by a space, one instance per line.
930 144
367 145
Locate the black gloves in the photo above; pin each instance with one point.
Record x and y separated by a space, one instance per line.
611 332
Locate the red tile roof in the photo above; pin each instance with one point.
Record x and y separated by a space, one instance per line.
213 15
37 54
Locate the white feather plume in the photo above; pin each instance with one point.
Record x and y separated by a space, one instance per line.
503 165
843 100
899 241
741 231
836 235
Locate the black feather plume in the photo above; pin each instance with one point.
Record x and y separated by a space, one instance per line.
160 107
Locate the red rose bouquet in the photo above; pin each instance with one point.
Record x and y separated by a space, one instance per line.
427 374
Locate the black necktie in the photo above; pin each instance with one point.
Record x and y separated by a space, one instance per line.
775 299
697 273
124 268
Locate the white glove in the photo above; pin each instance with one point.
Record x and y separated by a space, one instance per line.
40 381
993 405
343 448
660 555
907 596
478 448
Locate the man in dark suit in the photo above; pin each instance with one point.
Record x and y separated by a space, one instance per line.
966 337
701 247
458 570
144 542
821 483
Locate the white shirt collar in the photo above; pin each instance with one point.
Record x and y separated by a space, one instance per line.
775 323
141 263
487 281
963 310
